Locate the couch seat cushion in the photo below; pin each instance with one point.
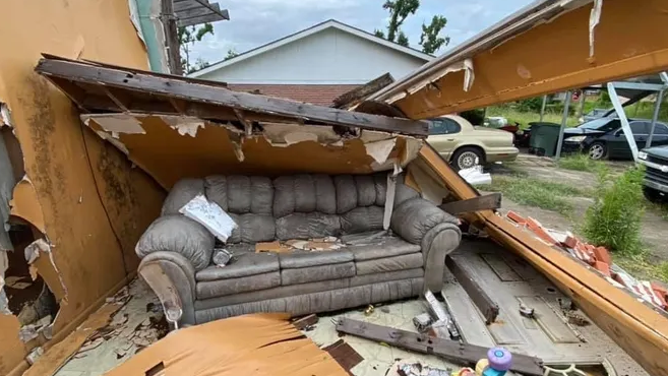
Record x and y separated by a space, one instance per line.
304 259
386 246
230 286
242 265
388 264
317 273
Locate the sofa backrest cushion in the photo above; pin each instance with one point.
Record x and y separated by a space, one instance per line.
181 193
307 225
238 194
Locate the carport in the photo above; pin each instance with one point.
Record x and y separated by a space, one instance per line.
636 89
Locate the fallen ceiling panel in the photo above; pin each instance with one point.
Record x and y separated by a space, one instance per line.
547 47
96 87
170 148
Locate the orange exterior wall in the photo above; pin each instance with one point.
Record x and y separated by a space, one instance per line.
80 192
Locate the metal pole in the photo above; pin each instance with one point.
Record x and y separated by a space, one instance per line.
542 108
655 117
567 104
583 99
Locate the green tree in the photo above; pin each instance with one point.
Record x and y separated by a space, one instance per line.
188 36
430 39
399 10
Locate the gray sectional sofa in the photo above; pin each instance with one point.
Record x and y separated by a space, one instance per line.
372 267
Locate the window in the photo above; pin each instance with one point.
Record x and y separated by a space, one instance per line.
639 127
660 128
437 126
603 125
443 126
452 126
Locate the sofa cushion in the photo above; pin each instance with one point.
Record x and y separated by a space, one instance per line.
222 287
305 259
317 273
397 275
242 265
386 246
388 264
362 219
272 293
252 228
181 193
414 217
307 226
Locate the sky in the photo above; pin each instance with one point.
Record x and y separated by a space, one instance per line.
256 22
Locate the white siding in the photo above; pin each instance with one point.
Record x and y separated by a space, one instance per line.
328 57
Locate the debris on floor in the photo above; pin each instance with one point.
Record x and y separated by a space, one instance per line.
316 244
344 354
306 323
443 325
264 343
411 367
464 354
475 176
598 259
51 361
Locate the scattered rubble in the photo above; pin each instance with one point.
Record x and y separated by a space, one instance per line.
598 258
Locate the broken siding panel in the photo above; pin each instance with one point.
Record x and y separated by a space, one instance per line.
86 252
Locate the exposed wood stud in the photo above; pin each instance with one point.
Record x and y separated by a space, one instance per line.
118 98
179 105
469 283
171 35
487 202
248 126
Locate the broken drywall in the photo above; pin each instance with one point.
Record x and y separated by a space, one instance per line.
116 123
174 147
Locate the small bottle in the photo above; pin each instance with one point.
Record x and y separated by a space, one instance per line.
498 362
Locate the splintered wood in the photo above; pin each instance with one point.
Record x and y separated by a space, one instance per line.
260 344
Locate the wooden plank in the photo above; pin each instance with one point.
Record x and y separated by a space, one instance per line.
120 99
480 298
465 354
355 95
486 202
145 82
213 17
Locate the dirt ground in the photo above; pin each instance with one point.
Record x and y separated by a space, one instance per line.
654 227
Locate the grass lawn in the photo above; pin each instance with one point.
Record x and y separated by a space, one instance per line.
580 162
535 192
524 118
642 267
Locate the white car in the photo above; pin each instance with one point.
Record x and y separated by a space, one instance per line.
464 145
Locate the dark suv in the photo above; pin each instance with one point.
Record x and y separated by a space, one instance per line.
655 184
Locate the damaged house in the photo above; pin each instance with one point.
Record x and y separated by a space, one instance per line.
96 136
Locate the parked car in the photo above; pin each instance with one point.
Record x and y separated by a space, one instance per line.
594 114
604 138
464 145
655 183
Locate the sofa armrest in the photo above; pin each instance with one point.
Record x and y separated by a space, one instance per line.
419 221
413 218
437 243
172 277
